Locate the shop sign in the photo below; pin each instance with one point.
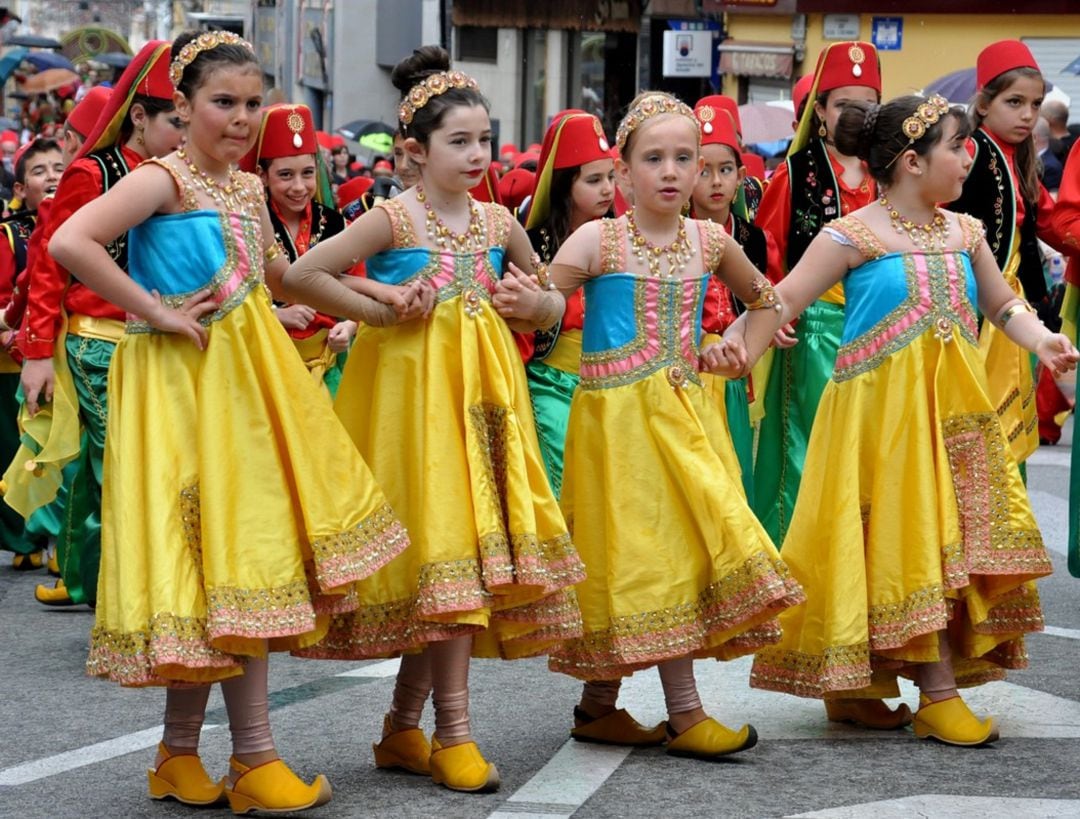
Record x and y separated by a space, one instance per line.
688 53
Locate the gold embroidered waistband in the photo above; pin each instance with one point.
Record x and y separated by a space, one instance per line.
103 329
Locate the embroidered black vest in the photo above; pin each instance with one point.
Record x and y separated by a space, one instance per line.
989 194
752 240
113 168
810 175
325 222
18 228
752 191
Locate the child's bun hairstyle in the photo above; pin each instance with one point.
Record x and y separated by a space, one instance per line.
425 62
208 57
880 134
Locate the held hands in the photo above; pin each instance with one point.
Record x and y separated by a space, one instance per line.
1057 352
340 335
785 337
727 358
519 296
295 316
185 320
408 302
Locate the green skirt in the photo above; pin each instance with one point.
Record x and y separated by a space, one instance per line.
551 390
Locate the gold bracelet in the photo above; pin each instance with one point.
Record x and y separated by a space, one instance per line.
766 295
1019 307
272 253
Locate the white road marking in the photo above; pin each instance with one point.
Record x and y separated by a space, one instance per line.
1071 633
564 784
972 807
1052 514
139 740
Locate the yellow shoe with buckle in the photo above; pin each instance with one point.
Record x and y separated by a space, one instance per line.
183 778
951 721
462 768
273 788
407 749
55 595
872 714
710 739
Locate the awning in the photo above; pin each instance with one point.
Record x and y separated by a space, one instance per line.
588 15
752 59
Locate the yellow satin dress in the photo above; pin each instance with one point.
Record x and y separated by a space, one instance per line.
440 409
676 563
914 518
236 513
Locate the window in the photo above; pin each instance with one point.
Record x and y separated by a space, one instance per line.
477 44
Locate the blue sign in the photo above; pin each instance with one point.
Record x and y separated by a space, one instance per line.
887 33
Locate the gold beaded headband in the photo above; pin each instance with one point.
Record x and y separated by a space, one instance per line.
421 93
652 106
926 116
204 42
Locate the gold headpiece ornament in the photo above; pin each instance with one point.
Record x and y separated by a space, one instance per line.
652 106
204 42
926 116
421 93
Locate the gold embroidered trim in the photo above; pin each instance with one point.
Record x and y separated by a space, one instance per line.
839 668
191 525
400 222
354 554
864 239
892 625
755 592
612 247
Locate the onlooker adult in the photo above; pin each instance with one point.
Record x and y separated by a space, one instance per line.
1050 165
1056 114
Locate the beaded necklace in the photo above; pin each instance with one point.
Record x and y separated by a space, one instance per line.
232 196
677 254
930 236
444 238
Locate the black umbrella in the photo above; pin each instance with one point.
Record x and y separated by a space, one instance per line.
32 41
365 127
113 59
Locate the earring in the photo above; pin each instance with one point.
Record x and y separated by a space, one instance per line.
139 136
821 132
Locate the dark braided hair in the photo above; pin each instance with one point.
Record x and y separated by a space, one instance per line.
414 69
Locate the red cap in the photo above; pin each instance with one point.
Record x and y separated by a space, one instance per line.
383 165
754 163
848 63
487 189
715 122
571 141
143 75
799 92
515 186
325 140
534 148
526 156
357 166
353 189
83 116
720 102
1002 56
21 152
9 136
509 149
336 141
285 130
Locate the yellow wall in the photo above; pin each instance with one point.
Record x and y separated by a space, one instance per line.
933 44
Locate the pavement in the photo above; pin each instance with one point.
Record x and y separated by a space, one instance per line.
75 747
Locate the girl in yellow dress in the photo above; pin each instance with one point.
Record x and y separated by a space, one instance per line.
439 406
677 566
918 555
237 514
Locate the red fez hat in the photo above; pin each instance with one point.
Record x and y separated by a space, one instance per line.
848 63
720 102
509 149
1002 56
9 136
716 123
83 116
755 164
285 130
515 186
22 152
324 140
573 140
353 189
799 92
527 156
383 165
534 148
336 141
142 76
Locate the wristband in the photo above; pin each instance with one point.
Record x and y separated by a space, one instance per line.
1019 307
